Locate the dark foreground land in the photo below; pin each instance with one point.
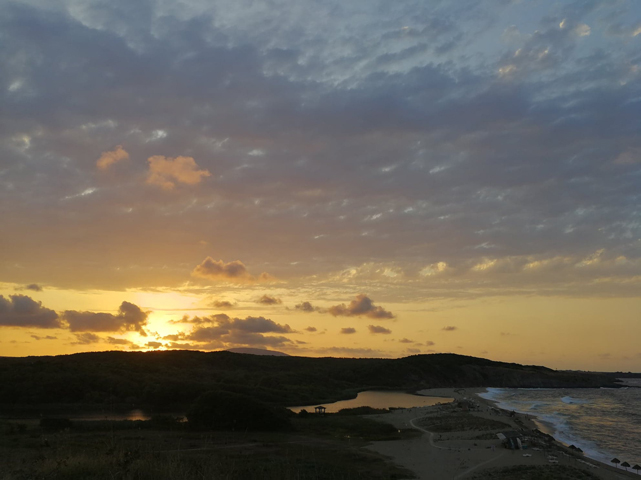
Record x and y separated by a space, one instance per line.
535 472
314 448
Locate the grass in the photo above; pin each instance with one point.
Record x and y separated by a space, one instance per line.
461 422
535 472
319 448
485 436
348 427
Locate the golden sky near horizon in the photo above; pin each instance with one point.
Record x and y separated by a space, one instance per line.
375 179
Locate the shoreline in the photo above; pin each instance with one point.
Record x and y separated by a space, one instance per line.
467 451
539 424
549 429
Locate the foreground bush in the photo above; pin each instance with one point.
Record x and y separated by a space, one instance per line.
55 424
219 410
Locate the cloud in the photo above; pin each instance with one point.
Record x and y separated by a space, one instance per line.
107 159
582 30
360 306
23 311
167 172
220 331
217 318
434 269
268 300
175 336
306 307
406 340
525 166
449 328
222 304
249 339
129 318
217 269
379 329
234 272
48 337
32 286
259 325
120 341
429 343
311 329
348 330
86 339
154 345
630 156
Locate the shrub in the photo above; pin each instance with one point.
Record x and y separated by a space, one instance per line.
220 410
55 424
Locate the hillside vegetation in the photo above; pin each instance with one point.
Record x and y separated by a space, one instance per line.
173 379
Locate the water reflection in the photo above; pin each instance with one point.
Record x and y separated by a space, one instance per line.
135 414
376 399
130 415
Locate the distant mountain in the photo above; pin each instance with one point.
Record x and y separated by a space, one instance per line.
257 351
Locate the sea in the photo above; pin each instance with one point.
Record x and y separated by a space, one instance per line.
605 423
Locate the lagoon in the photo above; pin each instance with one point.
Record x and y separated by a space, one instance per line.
378 399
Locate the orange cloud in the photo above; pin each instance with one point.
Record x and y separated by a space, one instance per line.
234 271
307 307
109 158
23 311
362 305
130 317
221 331
222 304
379 329
166 172
269 300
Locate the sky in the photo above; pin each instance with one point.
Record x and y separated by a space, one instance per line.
323 178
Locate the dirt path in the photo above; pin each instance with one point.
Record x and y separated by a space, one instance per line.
433 445
459 454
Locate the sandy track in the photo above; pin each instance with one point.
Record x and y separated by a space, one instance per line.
458 454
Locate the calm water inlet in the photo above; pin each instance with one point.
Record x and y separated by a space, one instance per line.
376 399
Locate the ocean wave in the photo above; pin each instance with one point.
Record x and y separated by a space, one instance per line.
492 394
573 401
604 425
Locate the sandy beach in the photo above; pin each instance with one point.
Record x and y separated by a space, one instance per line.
459 441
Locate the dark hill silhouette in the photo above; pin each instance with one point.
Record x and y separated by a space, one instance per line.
174 379
257 351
